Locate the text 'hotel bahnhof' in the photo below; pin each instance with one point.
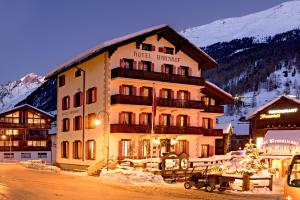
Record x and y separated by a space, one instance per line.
105 98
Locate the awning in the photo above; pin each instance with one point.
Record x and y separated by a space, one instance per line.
282 138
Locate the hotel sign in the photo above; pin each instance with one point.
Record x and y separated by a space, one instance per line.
158 57
282 141
277 113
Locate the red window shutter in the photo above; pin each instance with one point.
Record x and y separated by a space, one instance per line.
189 96
177 150
161 49
161 93
68 124
74 100
87 97
178 120
134 91
211 123
172 94
163 69
122 63
141 119
121 90
67 149
63 107
152 67
174 70
164 50
80 123
190 71
178 94
188 120
153 48
141 91
172 121
74 123
120 118
160 120
95 94
187 147
134 64
140 149
68 102
80 103
140 65
179 70
120 149
131 149
133 118
211 150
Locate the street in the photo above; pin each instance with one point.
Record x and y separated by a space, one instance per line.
20 183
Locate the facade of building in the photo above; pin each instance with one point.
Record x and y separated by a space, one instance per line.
275 128
122 78
24 134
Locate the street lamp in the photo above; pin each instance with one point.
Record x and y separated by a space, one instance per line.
83 109
98 122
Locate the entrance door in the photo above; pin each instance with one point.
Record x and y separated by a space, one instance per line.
165 146
219 147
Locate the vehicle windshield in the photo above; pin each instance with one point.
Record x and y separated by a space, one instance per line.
294 172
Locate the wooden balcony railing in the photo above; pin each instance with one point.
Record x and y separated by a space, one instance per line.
156 76
26 125
140 100
22 146
126 128
214 109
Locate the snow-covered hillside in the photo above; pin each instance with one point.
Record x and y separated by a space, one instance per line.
279 19
15 91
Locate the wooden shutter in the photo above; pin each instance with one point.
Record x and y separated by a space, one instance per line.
68 102
141 119
152 67
68 124
62 149
177 150
94 150
160 118
179 70
67 144
172 94
153 48
140 149
121 118
141 91
120 150
174 70
73 149
161 93
80 102
134 91
80 122
188 120
178 94
172 120
95 94
187 147
63 106
87 97
133 118
211 150
211 123
163 69
178 120
74 123
190 71
134 64
122 63
80 149
121 89
74 100
189 96
140 65
161 49
131 149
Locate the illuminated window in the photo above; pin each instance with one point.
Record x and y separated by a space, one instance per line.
166 120
77 149
146 92
259 142
183 120
91 95
65 149
77 99
126 148
65 124
145 118
66 103
91 150
91 120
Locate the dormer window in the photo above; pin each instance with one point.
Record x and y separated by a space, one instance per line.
78 73
147 47
183 70
169 50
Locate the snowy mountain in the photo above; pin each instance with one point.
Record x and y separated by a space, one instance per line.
259 25
13 92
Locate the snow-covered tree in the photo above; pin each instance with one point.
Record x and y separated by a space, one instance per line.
251 164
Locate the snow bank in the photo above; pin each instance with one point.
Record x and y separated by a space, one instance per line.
40 165
131 175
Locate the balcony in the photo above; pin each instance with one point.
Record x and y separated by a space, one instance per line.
214 109
156 76
23 147
26 125
140 100
125 128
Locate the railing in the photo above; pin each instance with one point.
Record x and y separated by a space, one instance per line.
156 76
214 109
26 125
140 100
22 146
128 128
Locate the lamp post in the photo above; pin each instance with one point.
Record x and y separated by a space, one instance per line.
98 122
83 110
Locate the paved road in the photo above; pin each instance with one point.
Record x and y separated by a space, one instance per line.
19 183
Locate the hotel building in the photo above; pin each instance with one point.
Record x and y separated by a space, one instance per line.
113 85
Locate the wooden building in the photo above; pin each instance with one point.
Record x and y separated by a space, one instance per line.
24 134
105 97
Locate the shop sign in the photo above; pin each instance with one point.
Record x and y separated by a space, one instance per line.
282 141
282 111
172 164
268 116
164 58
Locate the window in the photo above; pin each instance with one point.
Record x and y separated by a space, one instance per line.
165 146
65 125
126 148
183 146
127 118
147 47
77 123
205 100
34 118
91 95
183 120
11 132
77 99
128 63
42 155
145 118
166 93
146 66
11 118
169 50
146 91
65 149
9 155
206 123
127 90
146 148
91 120
183 95
66 103
77 73
61 81
204 151
184 71
165 120
25 155
77 149
36 143
91 150
208 101
168 69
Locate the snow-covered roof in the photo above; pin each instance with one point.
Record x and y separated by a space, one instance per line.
270 103
120 41
282 137
27 105
225 127
214 90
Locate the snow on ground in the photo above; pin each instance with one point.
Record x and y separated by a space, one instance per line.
40 165
279 19
131 175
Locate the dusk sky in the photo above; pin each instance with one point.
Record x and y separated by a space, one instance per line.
36 36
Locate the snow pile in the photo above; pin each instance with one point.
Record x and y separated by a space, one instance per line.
130 175
278 19
40 165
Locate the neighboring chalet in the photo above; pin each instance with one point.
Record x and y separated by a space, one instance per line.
105 98
24 134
